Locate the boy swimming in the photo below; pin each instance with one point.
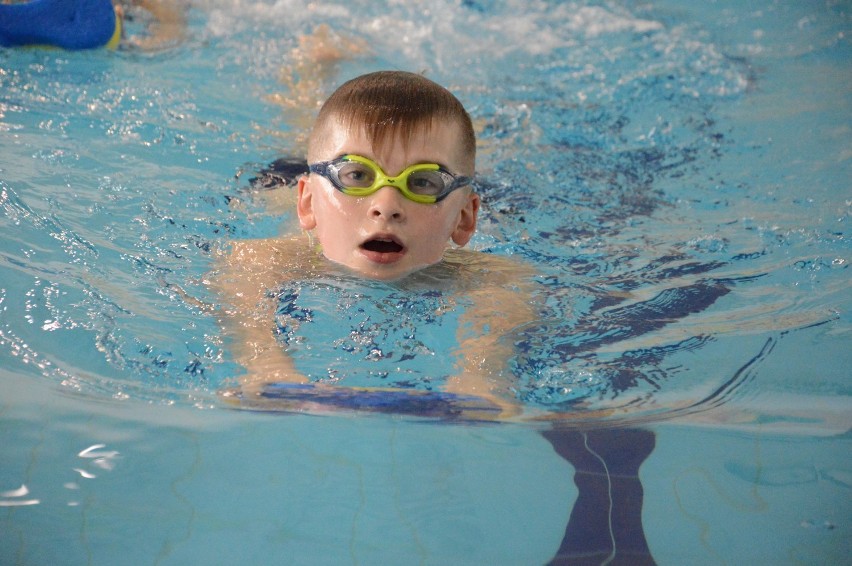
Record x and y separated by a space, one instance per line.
388 197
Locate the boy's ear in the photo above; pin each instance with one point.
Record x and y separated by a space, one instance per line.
466 225
305 204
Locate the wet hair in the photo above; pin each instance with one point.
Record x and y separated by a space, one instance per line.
392 105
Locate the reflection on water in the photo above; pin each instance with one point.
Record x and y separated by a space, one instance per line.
95 461
15 498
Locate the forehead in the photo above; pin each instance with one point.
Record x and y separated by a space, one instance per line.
438 141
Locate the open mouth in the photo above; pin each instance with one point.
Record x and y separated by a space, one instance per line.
382 246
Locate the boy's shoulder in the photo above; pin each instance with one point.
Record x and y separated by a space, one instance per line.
490 268
246 270
279 255
486 260
264 246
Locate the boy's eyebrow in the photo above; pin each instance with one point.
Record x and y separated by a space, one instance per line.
408 164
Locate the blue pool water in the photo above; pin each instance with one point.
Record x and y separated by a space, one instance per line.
678 174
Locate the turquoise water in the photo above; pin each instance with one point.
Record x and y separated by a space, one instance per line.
678 174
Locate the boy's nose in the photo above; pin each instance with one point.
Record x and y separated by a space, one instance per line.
387 203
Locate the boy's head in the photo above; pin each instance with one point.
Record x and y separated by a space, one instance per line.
390 106
398 124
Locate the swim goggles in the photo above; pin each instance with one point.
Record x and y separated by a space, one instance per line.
358 176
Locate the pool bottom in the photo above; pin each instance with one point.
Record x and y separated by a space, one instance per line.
175 485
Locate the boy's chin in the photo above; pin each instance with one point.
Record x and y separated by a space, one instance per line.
382 272
387 273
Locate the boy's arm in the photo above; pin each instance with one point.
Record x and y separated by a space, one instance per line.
244 279
500 307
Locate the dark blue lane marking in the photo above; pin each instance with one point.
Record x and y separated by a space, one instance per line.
606 521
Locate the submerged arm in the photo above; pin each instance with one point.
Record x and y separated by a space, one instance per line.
246 280
498 309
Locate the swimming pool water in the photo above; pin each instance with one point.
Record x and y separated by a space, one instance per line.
677 173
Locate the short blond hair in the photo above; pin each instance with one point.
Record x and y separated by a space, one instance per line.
391 105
